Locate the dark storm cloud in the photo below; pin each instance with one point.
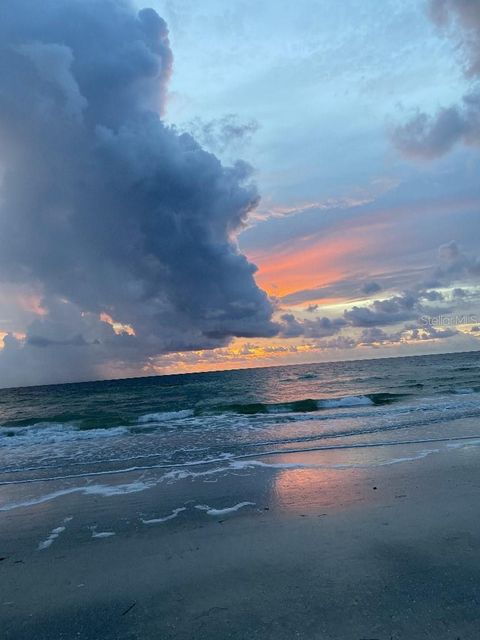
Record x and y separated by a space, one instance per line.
102 204
318 328
376 337
383 312
339 342
372 336
430 332
426 136
409 305
390 311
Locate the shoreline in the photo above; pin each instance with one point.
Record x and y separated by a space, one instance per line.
461 431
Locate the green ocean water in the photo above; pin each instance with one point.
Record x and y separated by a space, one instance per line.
76 429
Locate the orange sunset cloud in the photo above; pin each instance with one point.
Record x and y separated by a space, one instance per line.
303 267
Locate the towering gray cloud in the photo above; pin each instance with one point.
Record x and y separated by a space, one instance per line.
426 136
103 206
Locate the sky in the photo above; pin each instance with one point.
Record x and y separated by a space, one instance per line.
191 186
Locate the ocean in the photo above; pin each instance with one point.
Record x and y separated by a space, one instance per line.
177 423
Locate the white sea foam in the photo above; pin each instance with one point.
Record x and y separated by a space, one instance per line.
102 534
53 535
49 433
250 464
186 472
347 401
51 538
165 416
173 515
246 463
116 489
462 445
112 472
53 433
417 456
220 512
98 489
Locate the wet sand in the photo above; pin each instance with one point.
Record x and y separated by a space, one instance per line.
381 553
